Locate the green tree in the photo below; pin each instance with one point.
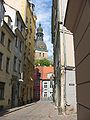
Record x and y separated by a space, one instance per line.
42 62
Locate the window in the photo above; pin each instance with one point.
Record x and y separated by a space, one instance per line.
43 54
39 54
7 65
20 46
45 85
2 90
2 37
16 42
51 94
19 66
1 59
45 94
15 63
30 21
9 44
26 20
17 22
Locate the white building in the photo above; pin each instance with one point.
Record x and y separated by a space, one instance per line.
62 39
47 89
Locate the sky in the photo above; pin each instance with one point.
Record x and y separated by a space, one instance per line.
43 9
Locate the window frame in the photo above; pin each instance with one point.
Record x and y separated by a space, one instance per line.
1 61
7 65
16 42
9 45
45 85
19 66
2 38
15 64
2 87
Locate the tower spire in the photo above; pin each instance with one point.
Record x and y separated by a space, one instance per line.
39 33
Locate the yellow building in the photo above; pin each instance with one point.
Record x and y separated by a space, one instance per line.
29 54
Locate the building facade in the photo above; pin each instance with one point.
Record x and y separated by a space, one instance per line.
6 35
17 25
77 20
26 9
6 46
64 69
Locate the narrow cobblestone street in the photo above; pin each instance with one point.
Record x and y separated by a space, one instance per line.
42 110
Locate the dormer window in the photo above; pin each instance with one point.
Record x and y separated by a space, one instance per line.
8 20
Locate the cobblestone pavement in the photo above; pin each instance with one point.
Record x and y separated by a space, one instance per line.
42 110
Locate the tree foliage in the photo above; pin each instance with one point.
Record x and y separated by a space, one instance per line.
42 62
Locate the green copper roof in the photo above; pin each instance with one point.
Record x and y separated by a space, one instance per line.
39 30
40 46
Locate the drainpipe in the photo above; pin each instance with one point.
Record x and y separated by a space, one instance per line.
64 44
65 62
58 77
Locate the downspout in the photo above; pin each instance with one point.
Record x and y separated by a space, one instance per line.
64 45
58 86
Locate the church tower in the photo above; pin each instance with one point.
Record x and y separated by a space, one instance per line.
41 51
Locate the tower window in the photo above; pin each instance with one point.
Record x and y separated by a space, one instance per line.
43 54
39 54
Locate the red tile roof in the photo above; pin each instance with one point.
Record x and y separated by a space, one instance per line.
45 70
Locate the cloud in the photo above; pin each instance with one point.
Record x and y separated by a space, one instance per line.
43 12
